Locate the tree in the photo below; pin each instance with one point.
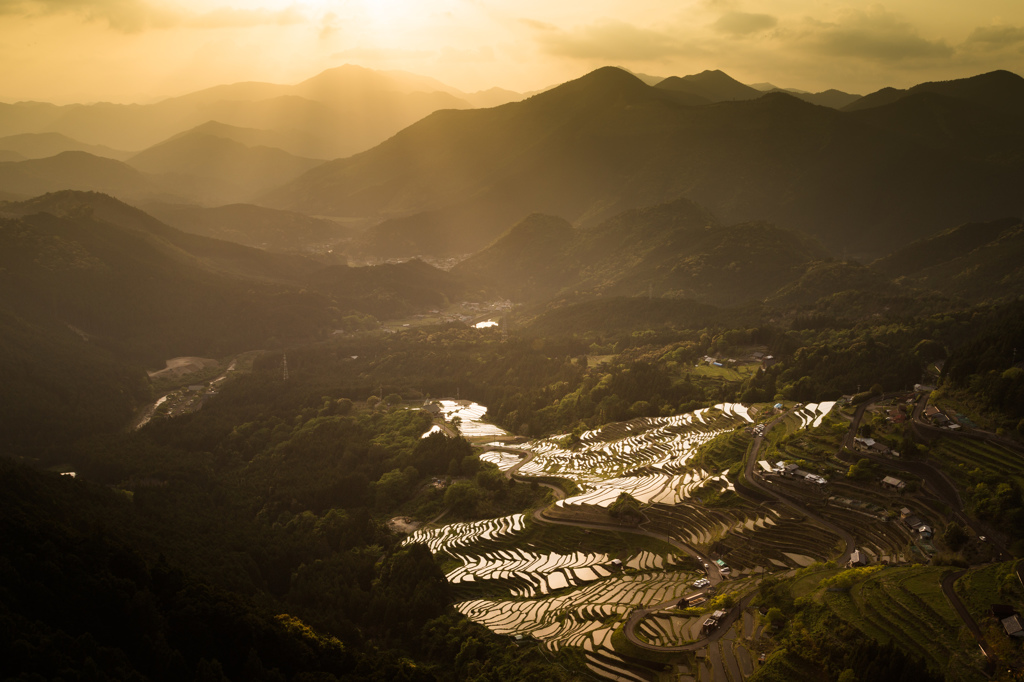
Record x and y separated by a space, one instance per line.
462 497
861 470
776 617
955 536
626 508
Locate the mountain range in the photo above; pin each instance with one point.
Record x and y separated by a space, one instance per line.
335 113
863 181
883 171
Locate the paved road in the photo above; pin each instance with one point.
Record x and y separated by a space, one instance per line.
754 481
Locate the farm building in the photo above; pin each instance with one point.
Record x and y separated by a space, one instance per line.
912 522
692 600
713 621
1013 626
925 531
935 416
893 483
857 559
765 466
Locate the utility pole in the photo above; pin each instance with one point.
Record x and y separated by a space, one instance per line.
285 366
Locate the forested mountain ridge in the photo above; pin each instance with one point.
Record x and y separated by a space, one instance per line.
676 250
251 225
242 170
608 142
76 170
977 261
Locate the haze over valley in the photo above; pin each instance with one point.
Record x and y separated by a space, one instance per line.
584 351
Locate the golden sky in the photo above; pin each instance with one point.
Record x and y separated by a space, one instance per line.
143 50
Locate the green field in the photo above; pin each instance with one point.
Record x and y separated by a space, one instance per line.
724 450
979 588
906 606
964 455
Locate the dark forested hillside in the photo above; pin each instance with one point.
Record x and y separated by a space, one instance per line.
675 250
93 289
255 226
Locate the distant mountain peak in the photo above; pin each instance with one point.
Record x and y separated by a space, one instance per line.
601 82
713 85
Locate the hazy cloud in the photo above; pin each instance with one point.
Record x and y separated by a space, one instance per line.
538 25
874 35
230 17
480 54
609 40
380 54
995 37
128 16
132 16
743 23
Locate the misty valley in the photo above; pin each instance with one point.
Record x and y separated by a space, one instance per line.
369 378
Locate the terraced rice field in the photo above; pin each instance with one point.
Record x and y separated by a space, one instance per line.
560 598
471 418
811 414
965 454
563 598
503 460
647 458
585 617
455 535
671 628
906 605
883 541
749 539
733 657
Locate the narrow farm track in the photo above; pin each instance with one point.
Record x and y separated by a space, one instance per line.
954 599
